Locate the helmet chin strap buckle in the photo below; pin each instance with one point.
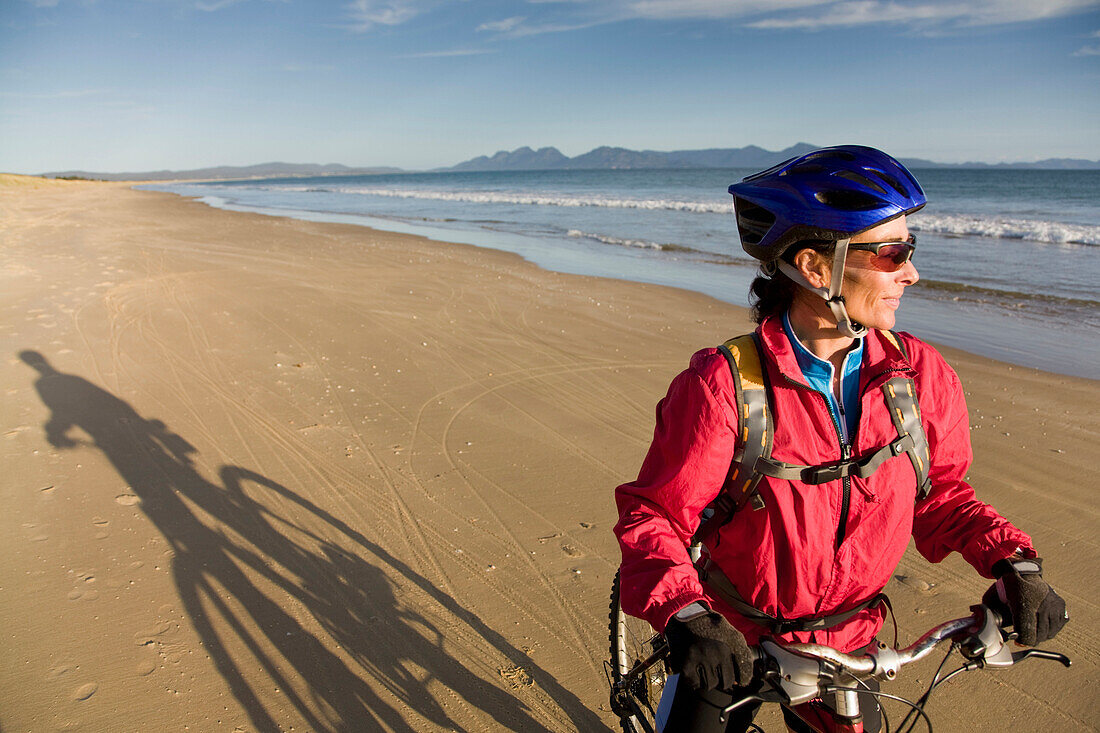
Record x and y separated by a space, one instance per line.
844 324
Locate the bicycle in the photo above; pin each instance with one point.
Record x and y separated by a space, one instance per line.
795 674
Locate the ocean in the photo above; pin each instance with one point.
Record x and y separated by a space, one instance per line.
1009 259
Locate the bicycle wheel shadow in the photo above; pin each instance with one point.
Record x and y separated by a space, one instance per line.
241 565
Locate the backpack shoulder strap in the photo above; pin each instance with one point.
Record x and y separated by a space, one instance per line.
901 399
754 440
894 339
753 416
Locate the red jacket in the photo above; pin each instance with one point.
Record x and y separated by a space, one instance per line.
783 558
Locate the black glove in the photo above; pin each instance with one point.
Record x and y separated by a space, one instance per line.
709 653
1021 595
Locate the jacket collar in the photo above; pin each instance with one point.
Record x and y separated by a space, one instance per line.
880 356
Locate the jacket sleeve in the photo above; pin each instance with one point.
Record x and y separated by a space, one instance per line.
683 471
951 518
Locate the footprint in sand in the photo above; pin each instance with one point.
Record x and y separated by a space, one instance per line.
152 635
78 594
128 499
571 551
921 586
57 672
85 691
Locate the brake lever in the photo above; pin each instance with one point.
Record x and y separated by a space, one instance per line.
770 694
1040 654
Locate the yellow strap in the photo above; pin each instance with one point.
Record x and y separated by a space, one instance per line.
749 379
747 357
892 338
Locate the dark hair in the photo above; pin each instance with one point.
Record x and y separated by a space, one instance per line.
772 292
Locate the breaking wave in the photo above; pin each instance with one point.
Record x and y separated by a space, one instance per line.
526 199
636 243
1034 230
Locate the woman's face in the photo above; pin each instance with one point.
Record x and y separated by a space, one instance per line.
871 295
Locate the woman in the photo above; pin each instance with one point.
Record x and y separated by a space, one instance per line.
806 561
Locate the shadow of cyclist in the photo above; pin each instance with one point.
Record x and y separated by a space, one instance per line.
240 564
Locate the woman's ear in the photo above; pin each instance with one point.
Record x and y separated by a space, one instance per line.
814 266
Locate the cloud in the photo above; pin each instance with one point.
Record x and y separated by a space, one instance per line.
1091 49
522 30
502 26
712 9
297 68
444 54
562 16
66 94
817 14
211 7
365 14
864 12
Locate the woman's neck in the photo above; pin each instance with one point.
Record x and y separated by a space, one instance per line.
815 327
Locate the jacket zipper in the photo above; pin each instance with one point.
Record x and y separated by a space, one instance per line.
845 454
846 497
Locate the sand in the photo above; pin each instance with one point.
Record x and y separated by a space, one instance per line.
264 474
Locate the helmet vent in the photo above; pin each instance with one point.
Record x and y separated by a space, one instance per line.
829 154
889 181
861 180
753 222
808 169
848 200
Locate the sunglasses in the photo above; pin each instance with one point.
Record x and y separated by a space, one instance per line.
889 256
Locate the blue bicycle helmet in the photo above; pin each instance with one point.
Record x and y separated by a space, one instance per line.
829 194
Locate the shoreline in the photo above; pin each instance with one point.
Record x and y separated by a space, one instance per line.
281 473
988 324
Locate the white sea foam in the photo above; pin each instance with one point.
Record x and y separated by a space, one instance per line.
639 243
1030 229
529 199
1009 228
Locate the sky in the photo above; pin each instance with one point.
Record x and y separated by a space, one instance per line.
140 85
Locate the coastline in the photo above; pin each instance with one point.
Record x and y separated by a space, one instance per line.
284 473
981 312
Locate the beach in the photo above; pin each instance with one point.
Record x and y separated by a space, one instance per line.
270 474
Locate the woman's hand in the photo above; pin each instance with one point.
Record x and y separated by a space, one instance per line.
708 652
1036 611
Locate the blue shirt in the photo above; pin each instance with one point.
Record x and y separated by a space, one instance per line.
819 376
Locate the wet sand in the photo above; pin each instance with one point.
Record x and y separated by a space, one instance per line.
266 474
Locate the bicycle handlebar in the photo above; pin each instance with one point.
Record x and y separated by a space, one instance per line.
798 673
882 661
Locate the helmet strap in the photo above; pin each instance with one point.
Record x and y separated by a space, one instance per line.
831 295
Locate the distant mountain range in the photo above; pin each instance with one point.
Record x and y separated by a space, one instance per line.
607 157
263 170
751 156
526 159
